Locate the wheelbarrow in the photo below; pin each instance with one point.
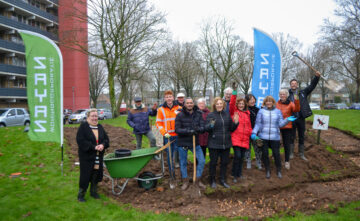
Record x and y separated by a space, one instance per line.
128 167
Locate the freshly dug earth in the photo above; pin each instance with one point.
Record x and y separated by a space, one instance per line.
331 176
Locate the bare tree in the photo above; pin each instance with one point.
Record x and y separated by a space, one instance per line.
245 56
219 48
127 31
321 58
287 45
97 79
345 39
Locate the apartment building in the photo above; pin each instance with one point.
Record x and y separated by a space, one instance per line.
43 17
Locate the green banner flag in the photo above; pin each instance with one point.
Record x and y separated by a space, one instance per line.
44 73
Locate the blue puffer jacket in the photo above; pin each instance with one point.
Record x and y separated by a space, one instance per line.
138 119
268 123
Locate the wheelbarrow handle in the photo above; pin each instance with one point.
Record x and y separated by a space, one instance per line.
164 147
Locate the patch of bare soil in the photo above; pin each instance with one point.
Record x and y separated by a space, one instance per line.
327 178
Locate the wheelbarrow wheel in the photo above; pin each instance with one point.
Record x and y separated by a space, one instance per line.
147 184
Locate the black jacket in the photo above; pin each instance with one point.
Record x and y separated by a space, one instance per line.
220 135
253 113
184 123
305 110
86 141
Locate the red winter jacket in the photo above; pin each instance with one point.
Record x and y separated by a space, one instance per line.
241 136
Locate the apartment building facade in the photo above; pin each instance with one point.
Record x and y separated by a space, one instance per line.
43 17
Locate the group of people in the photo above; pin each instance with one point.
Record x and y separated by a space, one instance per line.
234 122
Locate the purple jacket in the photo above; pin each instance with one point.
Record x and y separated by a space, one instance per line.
203 138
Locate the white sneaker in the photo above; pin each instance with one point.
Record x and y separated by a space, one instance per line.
287 165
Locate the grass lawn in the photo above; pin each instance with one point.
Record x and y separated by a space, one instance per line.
42 193
348 120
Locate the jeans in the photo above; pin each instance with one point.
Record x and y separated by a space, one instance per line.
298 124
239 154
224 156
286 137
174 148
275 147
149 135
183 153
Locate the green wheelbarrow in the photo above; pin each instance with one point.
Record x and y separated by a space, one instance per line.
128 167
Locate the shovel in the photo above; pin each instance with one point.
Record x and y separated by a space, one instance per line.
172 171
330 84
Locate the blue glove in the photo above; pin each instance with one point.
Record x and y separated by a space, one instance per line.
253 136
291 118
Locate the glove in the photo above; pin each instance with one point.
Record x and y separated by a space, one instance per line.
254 137
291 118
167 135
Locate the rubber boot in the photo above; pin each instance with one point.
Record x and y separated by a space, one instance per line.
185 184
279 173
212 182
81 195
258 164
291 156
224 184
248 164
301 152
93 188
267 173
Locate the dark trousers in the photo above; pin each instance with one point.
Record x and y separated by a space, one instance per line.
275 147
286 138
299 125
203 148
224 157
85 180
239 154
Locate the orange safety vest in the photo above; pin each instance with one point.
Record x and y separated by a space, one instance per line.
165 119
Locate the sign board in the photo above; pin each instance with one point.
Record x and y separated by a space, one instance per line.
321 122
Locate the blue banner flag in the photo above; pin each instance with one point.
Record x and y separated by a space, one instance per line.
267 67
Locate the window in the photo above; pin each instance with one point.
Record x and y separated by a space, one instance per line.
12 112
20 112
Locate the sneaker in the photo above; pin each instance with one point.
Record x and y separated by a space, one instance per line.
234 180
287 165
177 165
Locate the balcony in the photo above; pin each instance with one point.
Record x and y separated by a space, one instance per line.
12 69
18 25
12 92
12 46
32 9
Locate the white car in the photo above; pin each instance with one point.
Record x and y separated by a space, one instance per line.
314 106
14 117
78 116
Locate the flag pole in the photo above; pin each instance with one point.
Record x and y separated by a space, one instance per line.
62 159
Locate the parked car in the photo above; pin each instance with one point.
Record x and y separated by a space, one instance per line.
78 116
14 117
314 106
355 106
104 114
331 106
123 109
341 106
67 113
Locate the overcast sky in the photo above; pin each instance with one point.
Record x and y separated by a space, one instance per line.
300 18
